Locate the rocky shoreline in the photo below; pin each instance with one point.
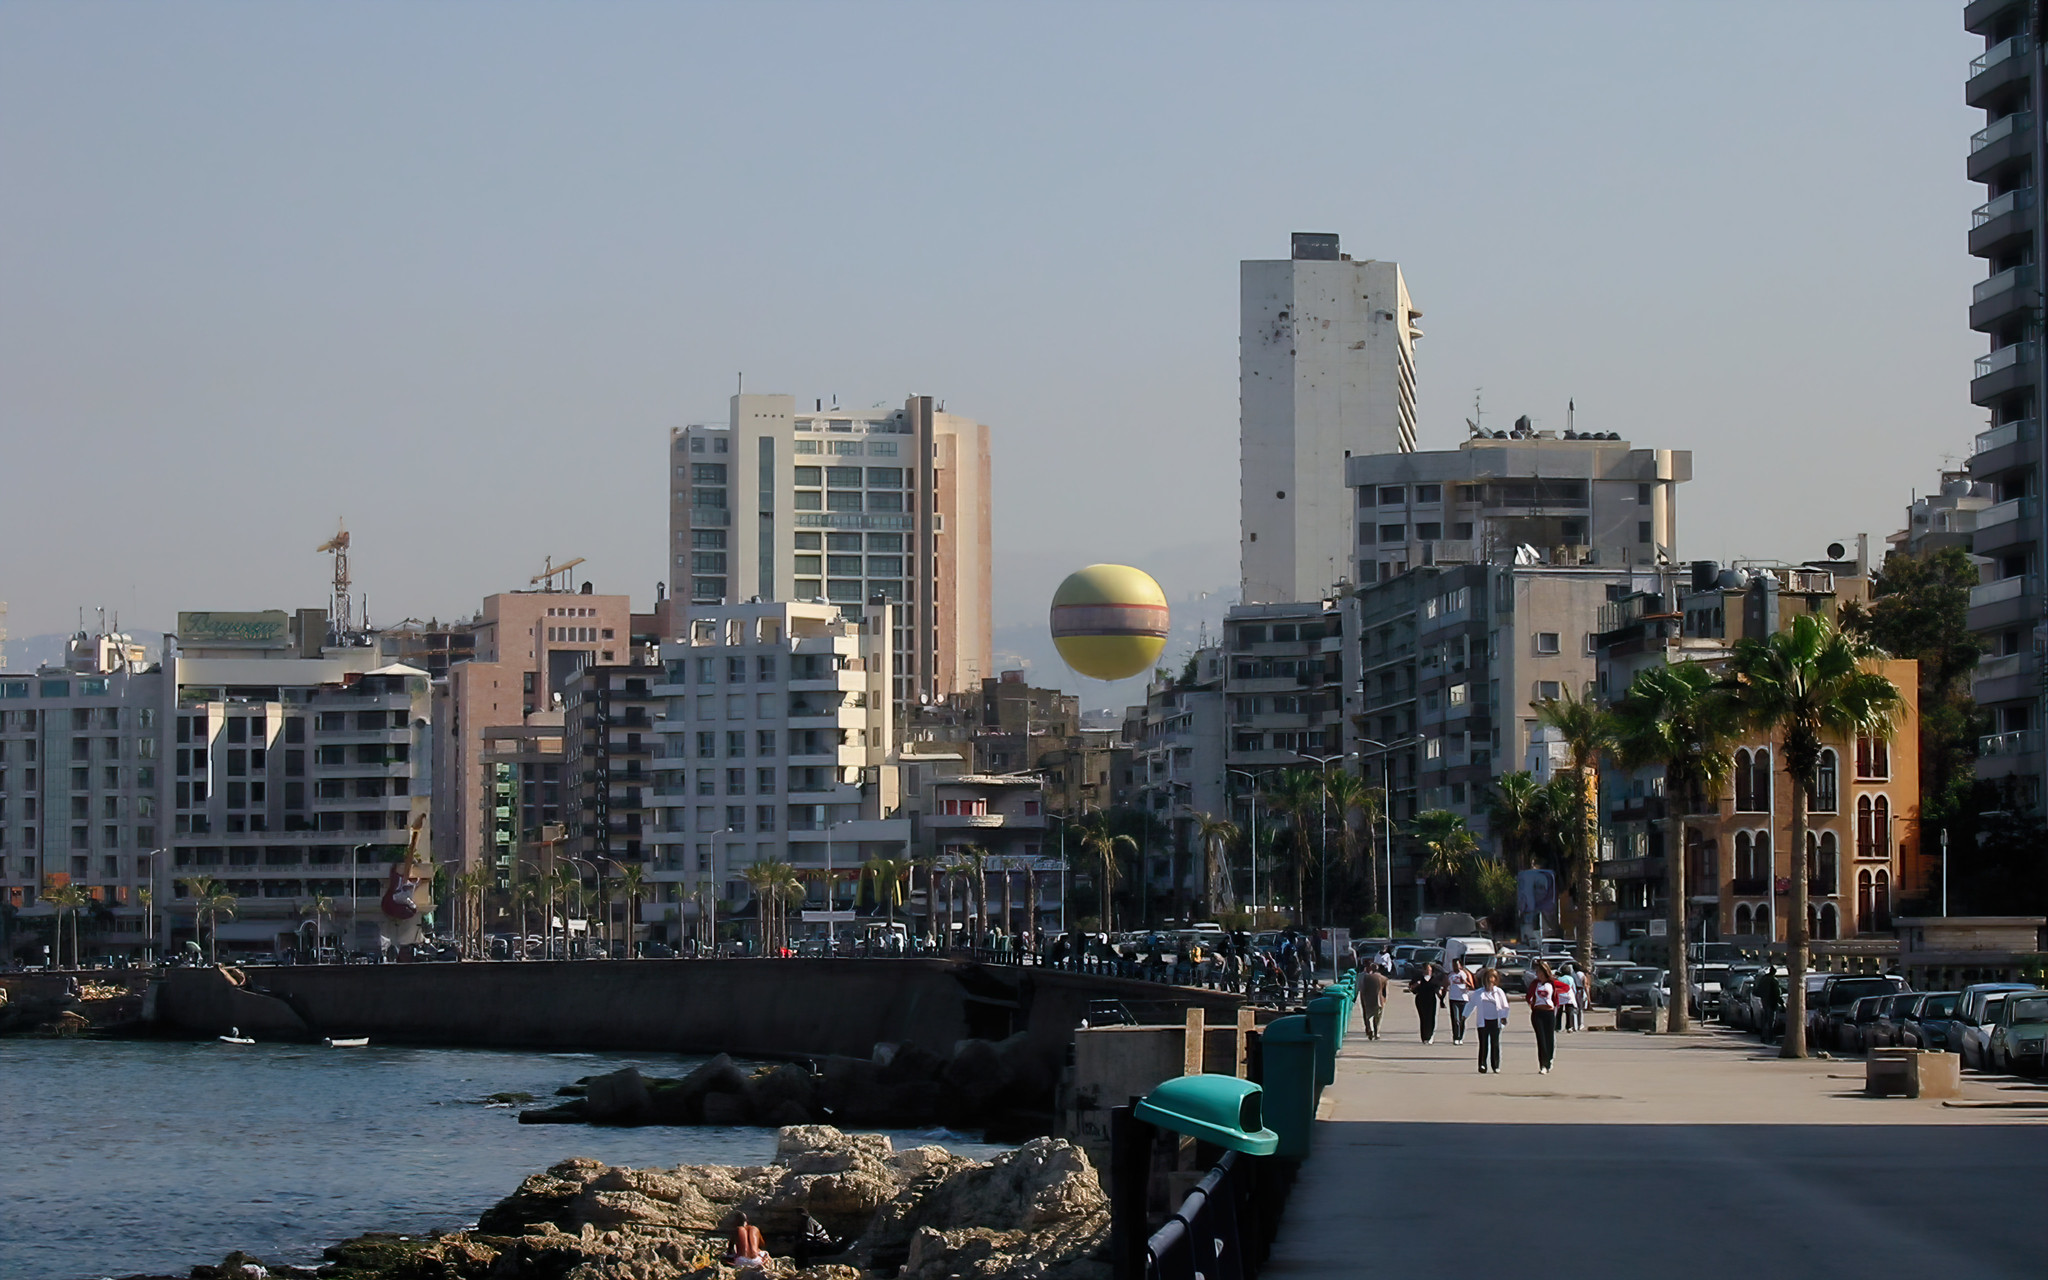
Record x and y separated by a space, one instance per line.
997 1086
871 1211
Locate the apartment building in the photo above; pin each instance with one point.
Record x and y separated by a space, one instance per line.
859 509
1326 369
1945 518
1863 850
81 774
527 647
1525 495
2007 230
1005 817
777 746
1179 744
609 729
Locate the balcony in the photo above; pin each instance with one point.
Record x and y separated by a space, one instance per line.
1998 297
1996 223
1999 143
710 517
2002 371
2006 433
1997 68
2013 588
2019 743
2008 678
1748 887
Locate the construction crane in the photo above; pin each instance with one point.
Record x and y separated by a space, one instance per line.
339 610
553 571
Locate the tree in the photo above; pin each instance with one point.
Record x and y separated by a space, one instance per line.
1587 732
632 886
1214 836
1921 610
526 896
1299 796
1806 684
775 886
1348 795
973 863
1514 815
68 900
1491 887
885 878
210 901
322 909
1102 847
1680 718
1448 843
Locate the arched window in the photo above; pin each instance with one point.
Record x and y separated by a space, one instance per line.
1830 871
1866 909
1830 922
1881 826
1825 797
1745 866
1742 917
1761 858
1812 921
1882 897
1760 923
1744 792
1866 835
1760 780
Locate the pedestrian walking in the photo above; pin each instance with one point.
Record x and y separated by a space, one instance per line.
1488 1010
1768 996
1384 961
1459 986
1543 992
1428 991
1582 997
1372 1001
1567 1003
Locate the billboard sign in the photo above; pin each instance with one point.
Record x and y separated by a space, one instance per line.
269 629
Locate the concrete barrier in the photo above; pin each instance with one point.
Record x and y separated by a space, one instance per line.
1912 1073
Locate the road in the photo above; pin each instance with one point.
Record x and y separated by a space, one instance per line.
1700 1155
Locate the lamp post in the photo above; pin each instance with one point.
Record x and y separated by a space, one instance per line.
596 875
354 907
149 908
832 925
1253 780
1323 879
1387 811
1060 818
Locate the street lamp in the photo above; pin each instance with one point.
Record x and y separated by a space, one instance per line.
149 908
596 875
1323 879
354 851
1253 780
1387 809
831 905
1062 819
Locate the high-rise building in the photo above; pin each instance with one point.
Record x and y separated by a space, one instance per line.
847 507
1326 369
2007 231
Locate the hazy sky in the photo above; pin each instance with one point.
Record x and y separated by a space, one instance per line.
451 270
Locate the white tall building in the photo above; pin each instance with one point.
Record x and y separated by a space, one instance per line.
1326 369
848 507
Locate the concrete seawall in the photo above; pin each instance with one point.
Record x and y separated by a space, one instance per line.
749 1008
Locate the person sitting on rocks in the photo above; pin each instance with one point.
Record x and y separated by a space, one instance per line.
748 1248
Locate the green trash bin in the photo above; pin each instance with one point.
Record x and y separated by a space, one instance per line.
1221 1110
1326 1021
1287 1067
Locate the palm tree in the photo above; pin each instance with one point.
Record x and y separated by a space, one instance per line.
1299 795
1806 684
210 900
1349 794
632 886
526 895
1450 843
1588 733
1214 836
886 877
565 883
1514 812
69 900
1099 844
1680 718
322 909
972 861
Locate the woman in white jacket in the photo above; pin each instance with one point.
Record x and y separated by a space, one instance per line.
1487 1010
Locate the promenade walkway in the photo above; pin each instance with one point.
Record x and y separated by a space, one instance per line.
1702 1155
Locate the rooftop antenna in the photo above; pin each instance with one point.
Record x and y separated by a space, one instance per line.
338 544
1571 408
1478 410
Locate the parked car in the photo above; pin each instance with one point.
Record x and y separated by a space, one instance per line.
1638 985
1970 1028
1852 1033
1734 991
1829 1010
2017 1037
1888 1031
1514 972
1706 980
1927 1021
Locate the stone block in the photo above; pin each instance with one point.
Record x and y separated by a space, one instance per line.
1635 1019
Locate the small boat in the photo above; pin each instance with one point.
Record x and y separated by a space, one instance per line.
354 1042
235 1036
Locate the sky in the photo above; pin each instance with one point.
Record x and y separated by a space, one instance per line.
450 271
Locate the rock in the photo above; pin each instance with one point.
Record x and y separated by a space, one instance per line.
1033 1073
544 1197
568 1113
510 1096
1045 1182
727 1109
906 1105
911 1061
786 1113
618 1098
770 1087
820 1148
717 1075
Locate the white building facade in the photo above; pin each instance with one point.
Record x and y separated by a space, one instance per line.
1326 370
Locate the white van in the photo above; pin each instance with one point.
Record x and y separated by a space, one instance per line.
1476 951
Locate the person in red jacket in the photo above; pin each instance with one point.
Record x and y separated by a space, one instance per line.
1544 996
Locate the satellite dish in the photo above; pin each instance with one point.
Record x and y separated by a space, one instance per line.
1837 551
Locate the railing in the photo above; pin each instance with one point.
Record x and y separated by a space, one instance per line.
2004 358
2004 589
2012 509
2017 277
2018 742
2010 664
2016 199
1999 129
710 517
2006 433
1225 1228
1998 53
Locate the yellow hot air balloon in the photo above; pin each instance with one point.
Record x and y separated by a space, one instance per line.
1109 621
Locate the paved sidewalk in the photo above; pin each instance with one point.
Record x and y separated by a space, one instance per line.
1700 1155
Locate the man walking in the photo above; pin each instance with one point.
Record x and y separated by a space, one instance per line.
1372 1000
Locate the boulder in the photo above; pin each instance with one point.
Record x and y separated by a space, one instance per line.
567 1113
839 1076
727 1109
719 1074
618 1098
1045 1182
770 1087
820 1148
786 1112
911 1061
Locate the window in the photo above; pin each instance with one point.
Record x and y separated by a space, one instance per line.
1393 533
735 782
1393 495
1547 691
764 784
764 817
1546 642
1429 494
707 473
764 742
1826 796
1873 758
842 477
1429 531
1643 494
1366 494
736 744
707 746
735 817
843 500
885 477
